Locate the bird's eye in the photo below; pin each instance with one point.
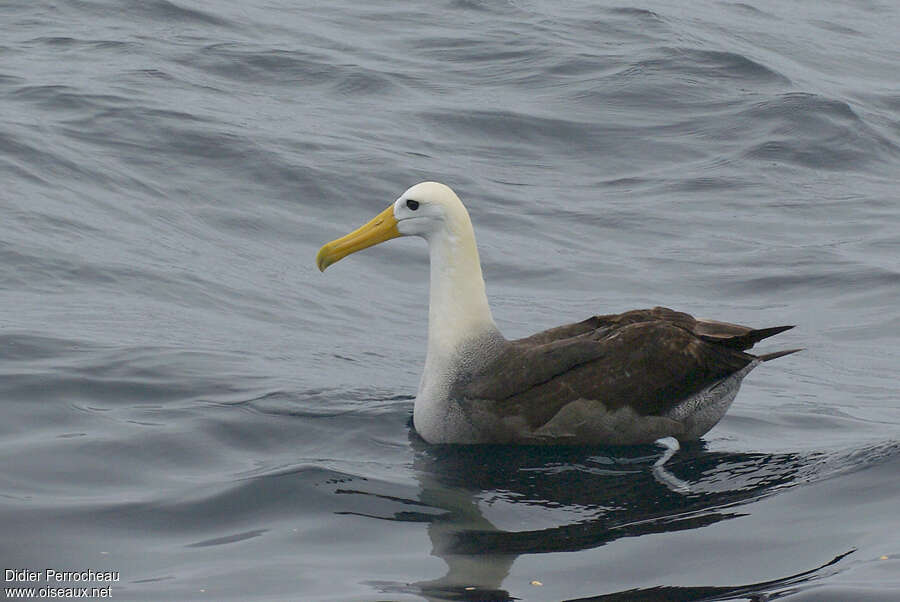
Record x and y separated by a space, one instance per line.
413 205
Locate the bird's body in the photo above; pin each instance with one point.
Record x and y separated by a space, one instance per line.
623 378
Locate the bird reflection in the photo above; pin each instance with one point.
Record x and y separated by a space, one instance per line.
591 496
754 592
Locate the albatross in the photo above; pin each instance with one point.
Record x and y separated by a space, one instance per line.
619 379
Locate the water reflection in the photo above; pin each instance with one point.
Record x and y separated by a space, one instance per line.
754 592
490 504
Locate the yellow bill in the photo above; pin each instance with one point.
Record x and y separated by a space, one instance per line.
382 227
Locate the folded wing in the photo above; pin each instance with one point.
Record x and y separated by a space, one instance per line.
649 360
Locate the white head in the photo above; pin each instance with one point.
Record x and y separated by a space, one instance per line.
424 210
429 207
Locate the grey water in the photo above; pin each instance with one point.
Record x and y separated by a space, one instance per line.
186 400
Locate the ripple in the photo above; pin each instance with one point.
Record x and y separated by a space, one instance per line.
714 64
813 131
284 67
162 11
226 539
26 347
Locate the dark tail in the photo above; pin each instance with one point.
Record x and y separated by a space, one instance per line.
776 354
755 336
735 336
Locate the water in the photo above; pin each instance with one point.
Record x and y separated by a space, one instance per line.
186 400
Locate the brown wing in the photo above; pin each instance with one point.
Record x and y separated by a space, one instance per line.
732 335
650 360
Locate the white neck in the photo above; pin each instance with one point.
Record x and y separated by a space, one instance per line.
458 308
461 330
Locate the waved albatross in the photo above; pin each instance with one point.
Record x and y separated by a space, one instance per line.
618 379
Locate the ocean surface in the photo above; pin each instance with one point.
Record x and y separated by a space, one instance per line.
187 401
